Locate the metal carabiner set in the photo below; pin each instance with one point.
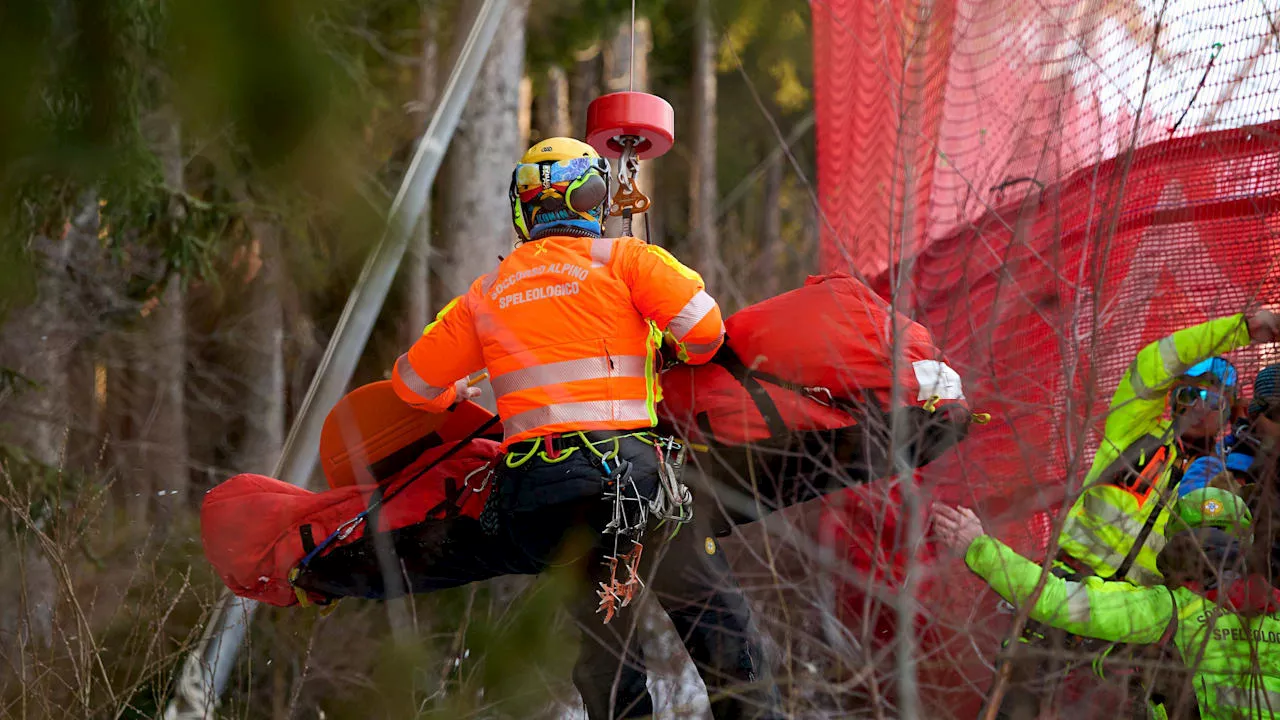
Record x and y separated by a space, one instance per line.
672 501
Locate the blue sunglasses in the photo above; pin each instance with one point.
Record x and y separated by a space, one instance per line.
1186 395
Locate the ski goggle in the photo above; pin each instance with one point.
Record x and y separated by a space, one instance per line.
1188 395
530 180
569 192
1218 370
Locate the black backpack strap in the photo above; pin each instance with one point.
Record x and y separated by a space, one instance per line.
729 360
389 466
1126 470
451 506
703 421
308 538
1162 503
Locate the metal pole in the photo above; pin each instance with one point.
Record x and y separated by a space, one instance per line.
207 669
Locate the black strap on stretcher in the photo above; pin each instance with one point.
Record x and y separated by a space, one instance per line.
750 379
380 496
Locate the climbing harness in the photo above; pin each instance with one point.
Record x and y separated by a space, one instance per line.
631 512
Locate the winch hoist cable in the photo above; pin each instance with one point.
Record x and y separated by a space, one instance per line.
629 127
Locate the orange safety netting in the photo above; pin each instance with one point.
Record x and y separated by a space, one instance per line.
1072 181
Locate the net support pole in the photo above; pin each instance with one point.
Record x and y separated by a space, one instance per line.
207 669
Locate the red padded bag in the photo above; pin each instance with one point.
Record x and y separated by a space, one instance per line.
836 333
833 335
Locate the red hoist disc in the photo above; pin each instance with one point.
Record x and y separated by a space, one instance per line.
632 126
648 118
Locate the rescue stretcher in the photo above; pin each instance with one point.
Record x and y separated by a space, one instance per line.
807 414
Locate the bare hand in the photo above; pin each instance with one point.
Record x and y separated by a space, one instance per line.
957 527
465 390
1264 326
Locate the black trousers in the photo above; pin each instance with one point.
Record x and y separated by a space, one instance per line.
547 508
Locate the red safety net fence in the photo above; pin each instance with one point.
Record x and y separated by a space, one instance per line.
1041 305
1047 187
943 102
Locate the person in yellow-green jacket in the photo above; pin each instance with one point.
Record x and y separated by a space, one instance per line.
1222 619
1171 405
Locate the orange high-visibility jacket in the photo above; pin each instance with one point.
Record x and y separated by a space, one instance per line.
569 329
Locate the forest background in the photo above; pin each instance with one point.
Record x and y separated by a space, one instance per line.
190 192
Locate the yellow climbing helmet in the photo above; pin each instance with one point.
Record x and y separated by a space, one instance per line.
560 187
558 148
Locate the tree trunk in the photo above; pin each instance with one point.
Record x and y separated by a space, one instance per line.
621 72
36 343
771 244
160 368
260 343
477 171
553 105
416 275
583 88
113 355
84 417
476 177
525 112
159 410
733 296
135 481
619 61
702 178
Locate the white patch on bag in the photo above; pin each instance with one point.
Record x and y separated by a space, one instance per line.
937 379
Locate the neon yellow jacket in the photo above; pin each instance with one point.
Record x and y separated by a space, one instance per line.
1131 468
1235 658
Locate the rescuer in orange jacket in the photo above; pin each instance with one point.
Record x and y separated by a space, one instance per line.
569 327
570 323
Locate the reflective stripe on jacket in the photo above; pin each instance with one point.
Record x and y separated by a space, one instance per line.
1234 658
1122 490
569 330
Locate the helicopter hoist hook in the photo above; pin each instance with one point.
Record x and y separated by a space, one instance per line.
630 126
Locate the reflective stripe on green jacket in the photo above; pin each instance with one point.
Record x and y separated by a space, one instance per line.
1235 659
1122 489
